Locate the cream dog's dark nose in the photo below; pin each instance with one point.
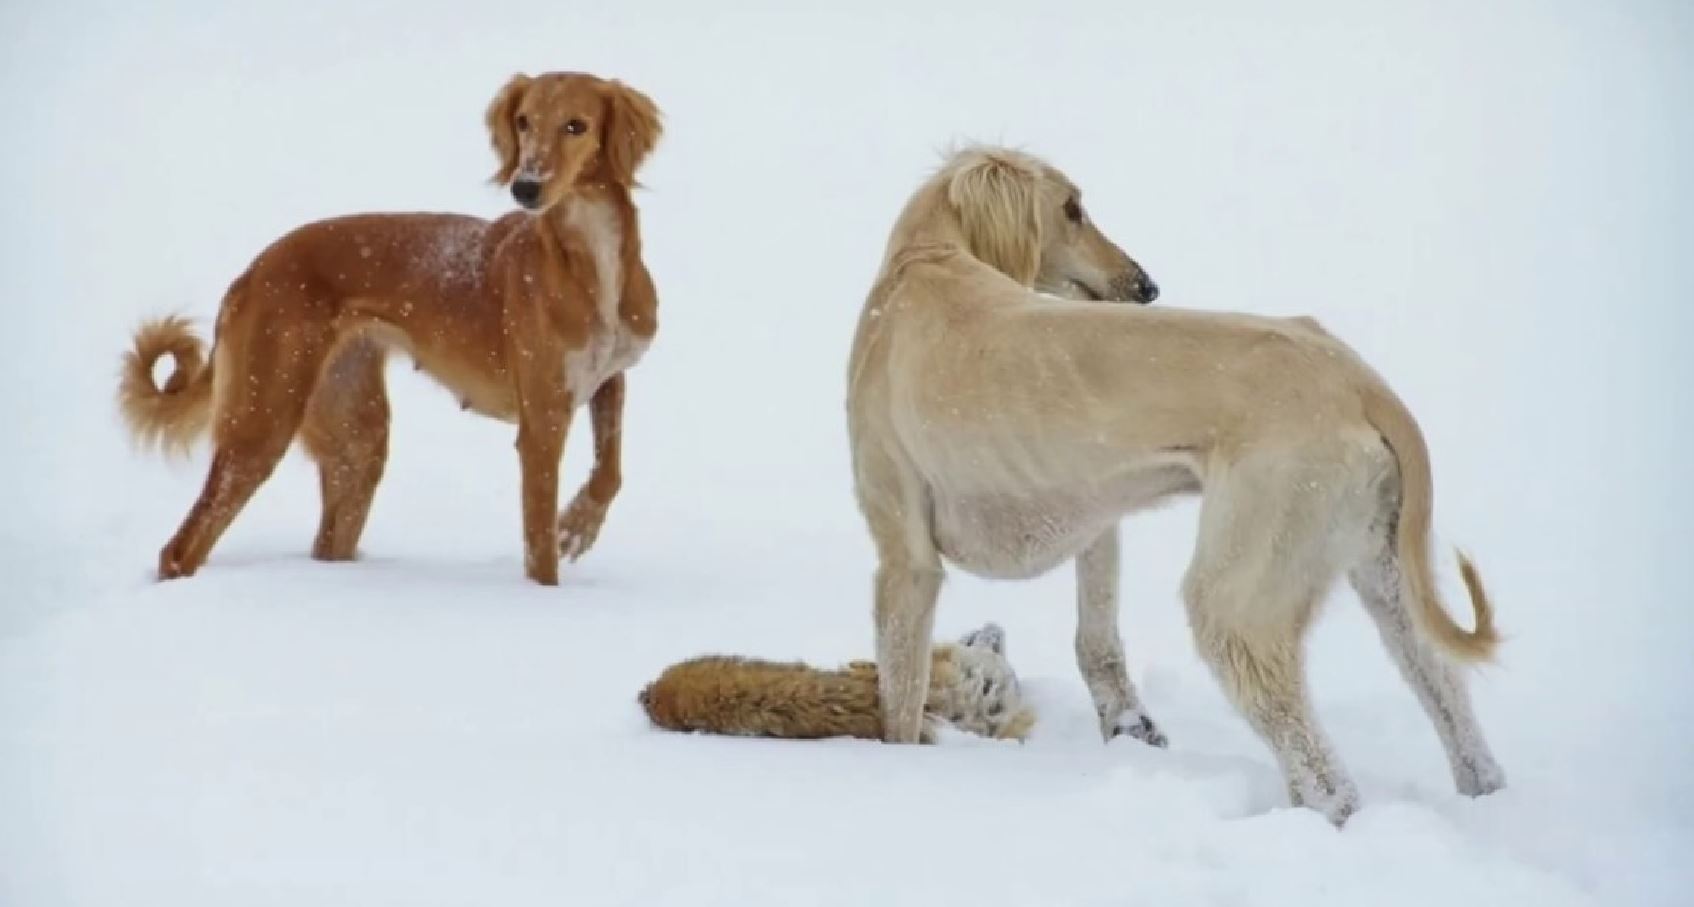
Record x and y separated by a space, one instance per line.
1145 289
527 192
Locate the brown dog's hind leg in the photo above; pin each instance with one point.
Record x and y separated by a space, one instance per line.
264 380
346 432
237 471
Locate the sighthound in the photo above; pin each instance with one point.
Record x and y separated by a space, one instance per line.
523 319
1005 432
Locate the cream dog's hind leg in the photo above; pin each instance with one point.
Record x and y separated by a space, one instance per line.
1439 687
1264 560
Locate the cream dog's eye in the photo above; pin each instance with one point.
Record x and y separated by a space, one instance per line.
522 123
575 127
1073 210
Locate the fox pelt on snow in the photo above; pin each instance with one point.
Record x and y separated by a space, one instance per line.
971 686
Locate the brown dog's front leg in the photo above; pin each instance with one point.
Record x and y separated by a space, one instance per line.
580 524
541 443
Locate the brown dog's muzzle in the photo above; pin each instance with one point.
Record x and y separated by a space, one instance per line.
526 192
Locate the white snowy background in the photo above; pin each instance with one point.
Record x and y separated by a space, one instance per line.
1492 201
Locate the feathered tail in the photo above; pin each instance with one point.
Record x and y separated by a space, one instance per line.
174 416
1417 497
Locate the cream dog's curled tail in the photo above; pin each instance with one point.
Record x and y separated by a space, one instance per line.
971 686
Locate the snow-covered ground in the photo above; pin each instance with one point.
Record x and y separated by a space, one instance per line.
1493 202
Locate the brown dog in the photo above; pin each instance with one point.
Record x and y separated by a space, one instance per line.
522 318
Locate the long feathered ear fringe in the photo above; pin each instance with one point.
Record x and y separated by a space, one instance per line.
502 133
995 197
632 129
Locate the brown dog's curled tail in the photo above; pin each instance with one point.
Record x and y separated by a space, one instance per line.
174 416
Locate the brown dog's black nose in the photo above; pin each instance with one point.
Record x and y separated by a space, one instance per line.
527 192
1145 289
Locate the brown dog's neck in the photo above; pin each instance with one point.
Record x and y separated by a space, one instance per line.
595 227
598 192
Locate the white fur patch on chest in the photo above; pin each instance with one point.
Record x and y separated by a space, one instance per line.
608 352
611 345
596 221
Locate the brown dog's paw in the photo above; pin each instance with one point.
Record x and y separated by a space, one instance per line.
579 526
544 578
173 565
542 570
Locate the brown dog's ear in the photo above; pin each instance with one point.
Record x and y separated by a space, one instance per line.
630 131
501 133
995 196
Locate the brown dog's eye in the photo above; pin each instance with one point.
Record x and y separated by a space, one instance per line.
522 122
575 127
1073 210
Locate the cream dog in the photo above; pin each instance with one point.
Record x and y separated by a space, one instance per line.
1008 432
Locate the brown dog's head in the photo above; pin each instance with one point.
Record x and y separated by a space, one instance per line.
1025 218
557 130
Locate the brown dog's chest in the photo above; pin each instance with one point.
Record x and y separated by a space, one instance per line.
609 351
595 238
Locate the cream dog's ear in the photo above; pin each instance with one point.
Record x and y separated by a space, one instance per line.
995 198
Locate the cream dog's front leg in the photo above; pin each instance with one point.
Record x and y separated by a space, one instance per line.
1099 647
905 620
908 582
